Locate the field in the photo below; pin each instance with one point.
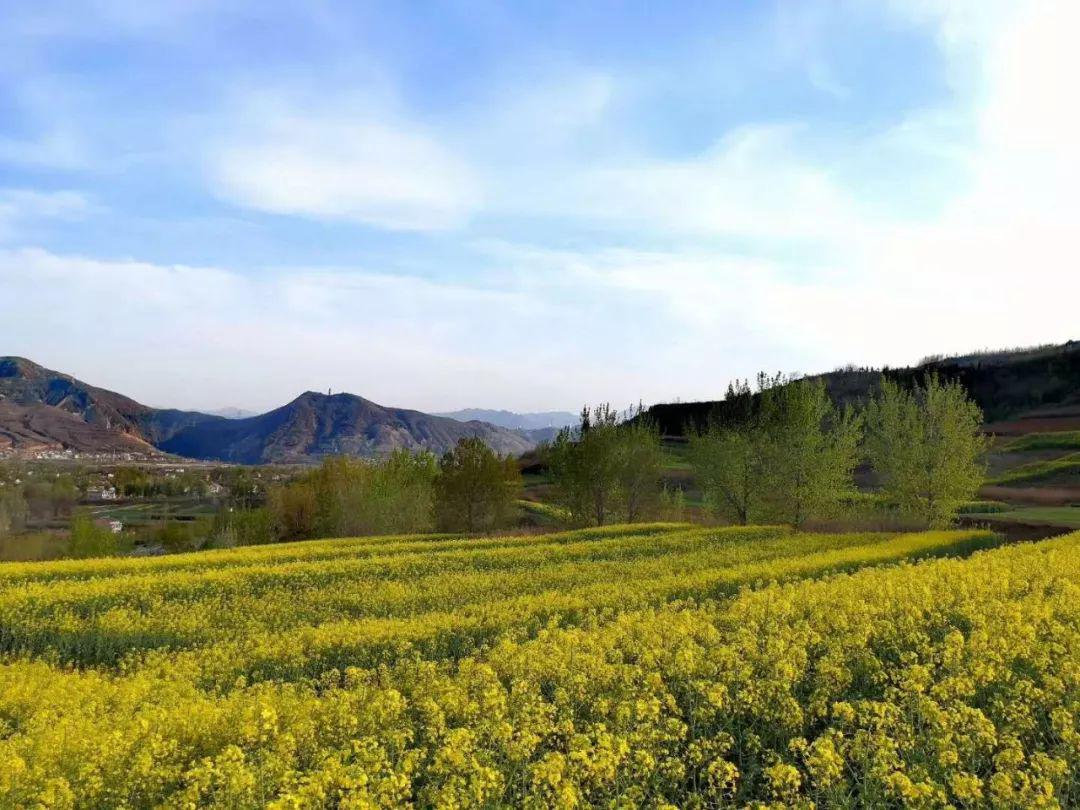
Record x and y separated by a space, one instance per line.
1067 516
1062 471
651 666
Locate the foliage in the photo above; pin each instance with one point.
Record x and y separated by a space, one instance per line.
348 496
88 539
244 527
811 451
672 504
182 535
926 447
783 454
607 470
476 489
13 510
51 500
640 462
345 673
982 507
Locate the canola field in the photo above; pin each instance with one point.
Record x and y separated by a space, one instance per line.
644 666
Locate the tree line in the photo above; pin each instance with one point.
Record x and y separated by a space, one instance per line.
782 452
468 489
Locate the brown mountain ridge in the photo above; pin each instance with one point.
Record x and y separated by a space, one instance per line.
43 409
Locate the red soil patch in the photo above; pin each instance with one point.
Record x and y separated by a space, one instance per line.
1041 421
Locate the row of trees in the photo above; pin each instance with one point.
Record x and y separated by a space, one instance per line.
787 454
469 489
782 453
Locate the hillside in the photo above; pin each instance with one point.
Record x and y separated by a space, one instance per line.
41 409
45 409
1041 384
315 425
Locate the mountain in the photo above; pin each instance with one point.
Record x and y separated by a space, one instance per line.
233 413
1018 389
315 425
515 421
42 409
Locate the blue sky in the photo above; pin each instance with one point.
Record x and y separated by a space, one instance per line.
528 205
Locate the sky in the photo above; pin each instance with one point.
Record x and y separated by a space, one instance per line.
529 205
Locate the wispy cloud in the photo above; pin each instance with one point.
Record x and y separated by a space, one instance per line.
361 168
543 225
22 208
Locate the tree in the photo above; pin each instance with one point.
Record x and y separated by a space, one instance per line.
91 540
296 508
607 469
783 453
359 497
730 456
640 464
729 465
476 489
13 511
926 447
811 450
584 466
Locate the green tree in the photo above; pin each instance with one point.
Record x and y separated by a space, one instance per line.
640 464
782 453
296 509
810 451
244 527
926 447
476 489
88 539
386 496
584 466
606 470
730 456
13 511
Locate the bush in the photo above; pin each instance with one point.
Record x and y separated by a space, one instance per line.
476 489
244 527
88 539
982 507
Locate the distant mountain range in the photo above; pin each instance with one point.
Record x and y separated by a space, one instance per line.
516 421
42 409
233 413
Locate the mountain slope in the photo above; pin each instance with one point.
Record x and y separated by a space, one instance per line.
42 409
315 425
48 409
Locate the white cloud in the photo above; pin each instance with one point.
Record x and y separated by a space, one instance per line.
196 336
356 168
21 208
752 183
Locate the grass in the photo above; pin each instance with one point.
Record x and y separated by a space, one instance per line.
148 512
1061 471
983 507
1064 440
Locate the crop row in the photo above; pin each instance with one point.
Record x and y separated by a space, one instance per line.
949 682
